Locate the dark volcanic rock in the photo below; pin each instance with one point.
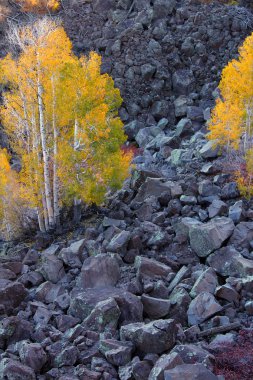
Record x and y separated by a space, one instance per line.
99 272
157 336
83 303
12 369
189 372
11 294
229 262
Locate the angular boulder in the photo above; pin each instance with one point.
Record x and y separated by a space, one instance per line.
165 362
210 150
191 354
119 242
69 258
206 238
32 355
183 82
104 316
152 186
52 268
150 268
99 271
202 308
229 262
206 282
83 303
117 353
154 337
11 294
14 370
155 308
242 235
190 372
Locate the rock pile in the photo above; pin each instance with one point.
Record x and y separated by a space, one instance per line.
139 296
163 55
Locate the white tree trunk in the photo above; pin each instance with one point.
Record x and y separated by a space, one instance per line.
48 192
41 222
55 176
77 202
41 207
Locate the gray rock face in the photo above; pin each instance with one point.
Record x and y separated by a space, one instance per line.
163 8
184 128
165 362
77 247
12 369
189 372
82 304
206 238
180 105
104 316
191 354
145 135
195 113
67 357
217 208
117 353
32 355
155 308
230 191
99 271
52 268
147 71
206 282
69 258
183 82
180 301
209 150
119 242
150 268
101 6
229 262
228 293
151 187
242 236
201 308
11 294
235 211
155 337
183 226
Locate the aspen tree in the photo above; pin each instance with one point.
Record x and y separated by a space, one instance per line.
39 6
61 116
232 118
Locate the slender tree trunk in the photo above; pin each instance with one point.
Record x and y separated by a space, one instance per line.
7 224
77 202
41 211
41 221
48 193
55 176
44 206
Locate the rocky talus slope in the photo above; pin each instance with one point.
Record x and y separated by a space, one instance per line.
167 274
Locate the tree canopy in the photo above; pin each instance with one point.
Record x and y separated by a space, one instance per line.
61 116
231 124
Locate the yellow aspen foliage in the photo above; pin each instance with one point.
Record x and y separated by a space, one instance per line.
39 6
61 116
225 125
231 125
244 177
